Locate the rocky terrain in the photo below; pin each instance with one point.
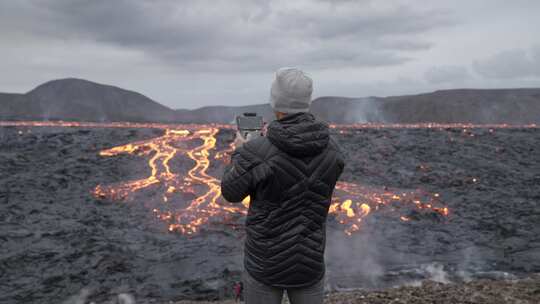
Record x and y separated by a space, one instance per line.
525 291
82 100
59 240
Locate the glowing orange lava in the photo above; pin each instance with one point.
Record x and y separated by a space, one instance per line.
187 201
351 204
204 187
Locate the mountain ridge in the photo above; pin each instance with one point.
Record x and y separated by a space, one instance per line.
82 100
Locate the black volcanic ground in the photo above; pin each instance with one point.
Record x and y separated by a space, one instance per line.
57 239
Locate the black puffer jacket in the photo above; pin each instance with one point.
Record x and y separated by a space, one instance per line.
290 175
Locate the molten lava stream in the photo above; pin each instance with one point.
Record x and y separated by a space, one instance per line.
203 207
350 204
160 171
353 202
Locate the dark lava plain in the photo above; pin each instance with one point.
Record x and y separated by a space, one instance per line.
57 240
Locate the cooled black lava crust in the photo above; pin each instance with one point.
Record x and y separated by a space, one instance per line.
58 239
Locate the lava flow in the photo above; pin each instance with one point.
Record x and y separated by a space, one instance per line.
188 201
205 189
350 205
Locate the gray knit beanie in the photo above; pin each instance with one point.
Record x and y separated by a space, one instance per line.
291 91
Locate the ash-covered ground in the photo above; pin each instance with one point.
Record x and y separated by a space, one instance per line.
59 240
482 291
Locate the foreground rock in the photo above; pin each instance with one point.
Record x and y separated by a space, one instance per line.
525 291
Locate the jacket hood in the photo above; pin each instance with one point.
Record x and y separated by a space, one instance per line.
299 134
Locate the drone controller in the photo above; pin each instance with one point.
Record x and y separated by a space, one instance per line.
249 125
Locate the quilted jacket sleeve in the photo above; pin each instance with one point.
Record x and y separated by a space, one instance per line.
241 176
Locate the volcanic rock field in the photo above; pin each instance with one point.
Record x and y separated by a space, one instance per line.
59 239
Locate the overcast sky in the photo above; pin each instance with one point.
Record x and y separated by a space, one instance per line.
187 54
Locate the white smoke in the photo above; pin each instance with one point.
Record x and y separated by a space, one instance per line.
125 298
352 258
79 298
436 273
82 296
430 272
365 110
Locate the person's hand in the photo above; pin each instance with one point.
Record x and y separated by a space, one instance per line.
239 140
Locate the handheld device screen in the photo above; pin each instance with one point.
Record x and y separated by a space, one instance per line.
249 122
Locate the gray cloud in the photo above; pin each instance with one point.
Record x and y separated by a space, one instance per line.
192 53
516 63
446 74
244 35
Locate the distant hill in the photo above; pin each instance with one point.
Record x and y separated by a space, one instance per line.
82 100
77 99
221 114
8 103
518 106
332 109
513 106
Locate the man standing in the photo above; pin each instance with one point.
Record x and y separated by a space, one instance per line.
290 175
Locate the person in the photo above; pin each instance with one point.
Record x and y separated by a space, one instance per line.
238 291
290 175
